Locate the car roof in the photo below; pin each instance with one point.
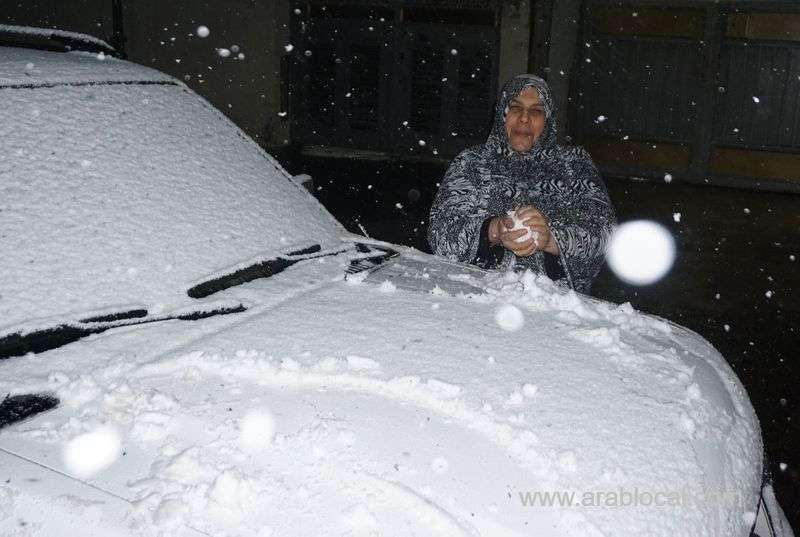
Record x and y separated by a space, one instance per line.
21 66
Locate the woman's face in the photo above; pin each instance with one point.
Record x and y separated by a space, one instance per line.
525 120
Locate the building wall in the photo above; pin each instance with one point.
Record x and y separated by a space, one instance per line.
515 33
163 35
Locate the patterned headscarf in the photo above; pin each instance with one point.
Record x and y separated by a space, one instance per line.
498 143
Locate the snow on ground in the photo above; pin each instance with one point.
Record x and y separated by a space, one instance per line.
380 414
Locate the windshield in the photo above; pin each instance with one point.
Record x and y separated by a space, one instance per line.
124 195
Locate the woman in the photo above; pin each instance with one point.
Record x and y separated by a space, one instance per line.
556 191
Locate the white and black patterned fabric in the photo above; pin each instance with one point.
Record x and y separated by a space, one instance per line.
562 182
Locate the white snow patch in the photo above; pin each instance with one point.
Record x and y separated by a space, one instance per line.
357 278
529 390
440 465
641 252
387 287
256 430
89 453
444 390
567 462
361 363
509 317
359 517
693 391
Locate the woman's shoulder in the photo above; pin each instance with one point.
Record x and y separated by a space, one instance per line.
474 153
574 152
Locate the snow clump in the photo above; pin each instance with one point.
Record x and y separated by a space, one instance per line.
387 287
256 430
519 225
89 453
509 317
640 252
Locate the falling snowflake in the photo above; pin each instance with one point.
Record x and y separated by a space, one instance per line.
89 453
202 31
641 252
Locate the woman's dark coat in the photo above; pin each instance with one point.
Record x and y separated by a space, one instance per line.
562 182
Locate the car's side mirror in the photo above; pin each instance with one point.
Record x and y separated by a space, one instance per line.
304 180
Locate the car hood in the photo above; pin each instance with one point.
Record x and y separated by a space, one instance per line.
424 397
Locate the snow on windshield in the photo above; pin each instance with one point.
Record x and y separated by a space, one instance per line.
124 194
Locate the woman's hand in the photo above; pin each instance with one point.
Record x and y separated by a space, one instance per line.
537 223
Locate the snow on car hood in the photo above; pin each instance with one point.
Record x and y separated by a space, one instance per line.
116 196
399 403
20 66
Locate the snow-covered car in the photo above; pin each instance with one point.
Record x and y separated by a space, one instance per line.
190 344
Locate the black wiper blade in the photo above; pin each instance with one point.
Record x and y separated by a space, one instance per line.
19 344
16 408
263 269
377 257
117 316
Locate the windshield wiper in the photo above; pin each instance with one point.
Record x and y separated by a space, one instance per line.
377 257
262 269
16 408
19 344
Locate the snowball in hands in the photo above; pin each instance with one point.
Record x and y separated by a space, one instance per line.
519 225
